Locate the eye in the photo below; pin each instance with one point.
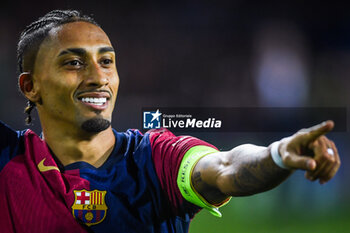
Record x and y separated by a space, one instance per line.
106 61
75 63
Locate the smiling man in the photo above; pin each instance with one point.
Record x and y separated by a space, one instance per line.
74 91
83 176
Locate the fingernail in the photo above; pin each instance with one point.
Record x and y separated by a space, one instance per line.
310 164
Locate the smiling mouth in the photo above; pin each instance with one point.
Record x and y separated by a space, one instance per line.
94 100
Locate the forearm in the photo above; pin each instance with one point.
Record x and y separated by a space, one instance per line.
251 171
245 170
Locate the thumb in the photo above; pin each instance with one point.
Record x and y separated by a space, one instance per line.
299 162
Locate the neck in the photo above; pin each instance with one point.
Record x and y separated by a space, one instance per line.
70 147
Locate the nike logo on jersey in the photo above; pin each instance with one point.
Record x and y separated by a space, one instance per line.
182 138
44 168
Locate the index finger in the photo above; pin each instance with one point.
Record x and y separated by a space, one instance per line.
311 134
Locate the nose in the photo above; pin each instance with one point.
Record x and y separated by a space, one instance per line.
95 76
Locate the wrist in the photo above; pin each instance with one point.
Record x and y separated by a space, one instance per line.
276 156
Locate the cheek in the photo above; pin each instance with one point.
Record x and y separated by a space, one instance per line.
115 85
57 90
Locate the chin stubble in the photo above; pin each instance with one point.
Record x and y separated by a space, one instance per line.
95 125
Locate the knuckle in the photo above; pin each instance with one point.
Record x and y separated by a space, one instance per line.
330 158
319 141
315 143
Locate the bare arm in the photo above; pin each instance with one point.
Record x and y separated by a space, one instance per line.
245 170
249 169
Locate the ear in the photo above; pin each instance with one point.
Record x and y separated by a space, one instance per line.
26 84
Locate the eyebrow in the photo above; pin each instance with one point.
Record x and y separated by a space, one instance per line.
81 51
78 51
106 49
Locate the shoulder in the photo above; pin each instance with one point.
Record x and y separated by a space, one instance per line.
136 138
131 136
130 141
11 143
159 134
8 135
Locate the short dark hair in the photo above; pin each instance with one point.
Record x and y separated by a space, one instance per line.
34 34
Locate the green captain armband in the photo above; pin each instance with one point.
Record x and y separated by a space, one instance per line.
184 183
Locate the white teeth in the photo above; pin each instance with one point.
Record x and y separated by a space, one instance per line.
96 101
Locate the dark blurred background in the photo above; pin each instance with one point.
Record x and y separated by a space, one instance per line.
219 54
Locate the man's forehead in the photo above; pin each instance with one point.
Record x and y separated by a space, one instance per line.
82 35
79 34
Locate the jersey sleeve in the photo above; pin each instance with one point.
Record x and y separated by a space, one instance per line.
168 152
184 179
10 144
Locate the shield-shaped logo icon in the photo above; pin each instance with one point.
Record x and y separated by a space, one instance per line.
89 206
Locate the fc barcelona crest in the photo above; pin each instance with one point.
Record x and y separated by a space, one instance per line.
89 206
